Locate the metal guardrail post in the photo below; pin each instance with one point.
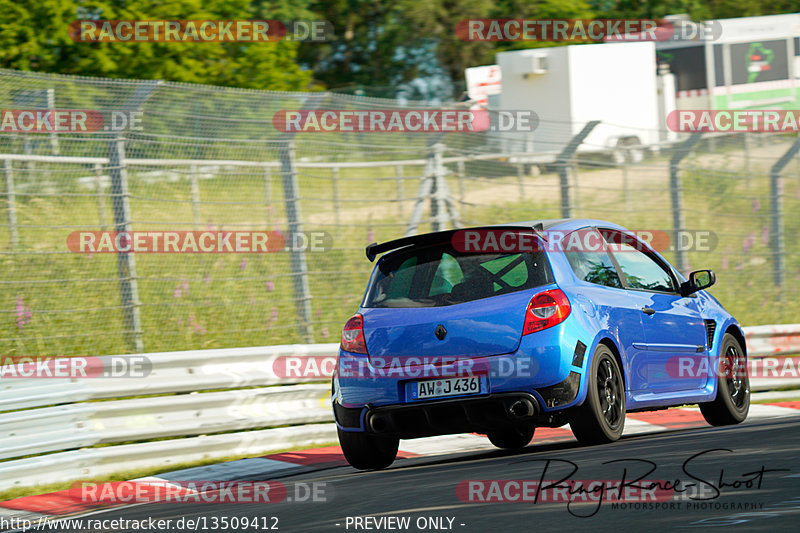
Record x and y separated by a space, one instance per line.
291 198
426 186
336 203
447 201
299 267
120 197
268 195
195 196
427 189
462 175
776 215
746 141
438 207
521 180
401 195
11 204
626 190
51 105
126 262
676 194
434 186
563 162
101 201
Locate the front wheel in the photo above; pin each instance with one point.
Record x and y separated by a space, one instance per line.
601 418
368 452
733 387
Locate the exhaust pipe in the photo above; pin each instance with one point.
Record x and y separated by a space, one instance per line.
378 423
521 408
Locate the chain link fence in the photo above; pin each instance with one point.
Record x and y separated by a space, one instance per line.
210 158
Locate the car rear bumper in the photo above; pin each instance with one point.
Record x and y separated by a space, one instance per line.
546 370
478 414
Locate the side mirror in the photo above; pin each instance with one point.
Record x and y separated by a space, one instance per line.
698 280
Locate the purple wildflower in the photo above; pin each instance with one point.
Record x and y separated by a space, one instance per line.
23 313
195 325
748 242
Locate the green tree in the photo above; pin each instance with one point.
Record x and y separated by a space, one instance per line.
437 21
542 9
365 48
35 36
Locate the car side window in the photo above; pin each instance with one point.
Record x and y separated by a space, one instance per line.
639 269
586 253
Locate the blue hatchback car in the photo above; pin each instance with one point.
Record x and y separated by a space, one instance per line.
500 329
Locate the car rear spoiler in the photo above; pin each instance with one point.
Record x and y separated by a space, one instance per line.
375 249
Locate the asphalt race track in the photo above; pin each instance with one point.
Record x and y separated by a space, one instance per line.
425 488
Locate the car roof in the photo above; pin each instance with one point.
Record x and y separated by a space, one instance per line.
561 224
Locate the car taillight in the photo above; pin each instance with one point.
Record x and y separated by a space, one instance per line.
353 336
546 309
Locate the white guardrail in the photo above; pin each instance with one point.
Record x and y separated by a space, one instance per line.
252 409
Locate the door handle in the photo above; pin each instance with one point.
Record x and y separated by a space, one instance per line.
648 310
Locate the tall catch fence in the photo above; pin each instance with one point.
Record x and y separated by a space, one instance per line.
210 158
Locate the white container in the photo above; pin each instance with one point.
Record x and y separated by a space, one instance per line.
568 86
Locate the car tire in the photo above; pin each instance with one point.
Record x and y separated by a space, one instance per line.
733 391
601 417
512 437
368 452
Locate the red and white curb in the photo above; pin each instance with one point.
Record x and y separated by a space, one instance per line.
63 503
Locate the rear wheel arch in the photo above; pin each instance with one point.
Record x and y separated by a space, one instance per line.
601 417
611 345
604 339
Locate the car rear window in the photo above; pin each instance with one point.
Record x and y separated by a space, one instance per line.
437 276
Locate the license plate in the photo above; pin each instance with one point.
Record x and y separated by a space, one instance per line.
440 388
